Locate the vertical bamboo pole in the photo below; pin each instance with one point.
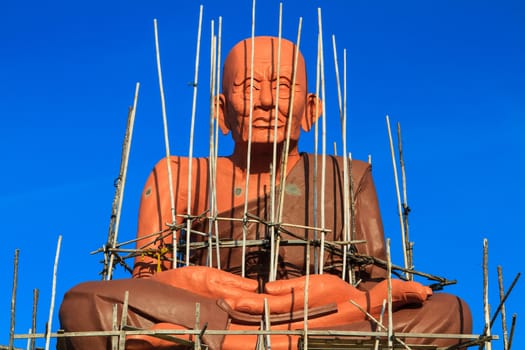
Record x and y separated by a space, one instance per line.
13 300
192 131
121 184
249 151
389 300
316 152
267 325
211 154
306 295
383 308
33 318
216 145
406 210
167 145
53 292
114 326
197 340
273 253
342 117
486 306
403 239
123 322
284 164
512 327
323 141
503 312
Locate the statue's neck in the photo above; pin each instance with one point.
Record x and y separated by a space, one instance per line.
262 157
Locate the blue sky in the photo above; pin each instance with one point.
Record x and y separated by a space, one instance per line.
451 73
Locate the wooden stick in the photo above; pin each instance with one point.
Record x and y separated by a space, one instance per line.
342 117
216 146
512 327
211 155
316 152
249 151
267 325
197 340
503 313
501 304
192 131
13 300
33 318
121 184
486 305
400 213
167 144
389 300
53 292
284 157
274 254
306 295
323 139
123 321
406 209
114 324
383 308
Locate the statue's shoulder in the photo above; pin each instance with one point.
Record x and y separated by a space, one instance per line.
358 168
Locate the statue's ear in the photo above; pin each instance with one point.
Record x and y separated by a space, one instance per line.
313 110
220 108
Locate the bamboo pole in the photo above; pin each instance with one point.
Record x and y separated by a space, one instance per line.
512 327
216 144
403 237
192 131
121 184
504 298
383 308
13 300
284 157
273 253
486 305
406 208
323 139
114 326
123 321
306 296
53 292
211 154
197 340
389 300
342 117
316 152
33 318
167 145
267 325
249 151
503 312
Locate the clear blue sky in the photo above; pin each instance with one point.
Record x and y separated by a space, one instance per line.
451 72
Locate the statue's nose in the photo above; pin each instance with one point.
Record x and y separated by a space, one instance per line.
266 95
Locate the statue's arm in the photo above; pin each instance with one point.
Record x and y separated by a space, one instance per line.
154 237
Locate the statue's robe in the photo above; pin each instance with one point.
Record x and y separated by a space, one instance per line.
442 313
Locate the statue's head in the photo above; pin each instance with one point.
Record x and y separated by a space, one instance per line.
234 102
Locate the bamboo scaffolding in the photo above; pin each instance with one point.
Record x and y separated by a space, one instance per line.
33 317
389 294
346 195
167 144
316 152
323 138
512 327
211 155
486 305
400 213
274 255
192 131
53 292
503 312
286 148
406 209
216 144
249 150
120 185
13 299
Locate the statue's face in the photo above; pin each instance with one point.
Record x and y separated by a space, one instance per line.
267 86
